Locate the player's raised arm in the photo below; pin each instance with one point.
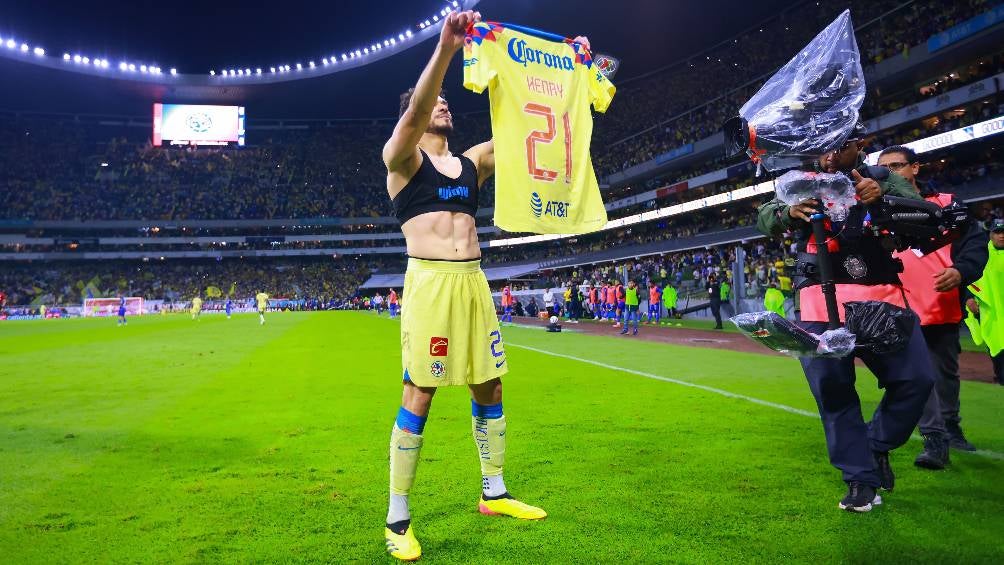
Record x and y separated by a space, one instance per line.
402 145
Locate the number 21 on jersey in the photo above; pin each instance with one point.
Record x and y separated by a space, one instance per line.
547 136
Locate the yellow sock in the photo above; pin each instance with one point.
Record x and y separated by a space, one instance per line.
404 450
488 425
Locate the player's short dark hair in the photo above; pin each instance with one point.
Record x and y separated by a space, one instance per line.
910 154
406 99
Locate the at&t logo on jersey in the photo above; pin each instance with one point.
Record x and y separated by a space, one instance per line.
522 53
549 208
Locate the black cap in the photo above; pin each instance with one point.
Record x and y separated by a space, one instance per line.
997 225
859 132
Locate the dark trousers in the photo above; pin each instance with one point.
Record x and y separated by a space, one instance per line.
907 378
716 311
942 408
999 367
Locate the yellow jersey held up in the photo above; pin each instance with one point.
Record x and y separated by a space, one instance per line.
540 91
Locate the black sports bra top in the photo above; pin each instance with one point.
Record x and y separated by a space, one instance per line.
432 191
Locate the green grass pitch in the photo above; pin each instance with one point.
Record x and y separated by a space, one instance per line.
173 441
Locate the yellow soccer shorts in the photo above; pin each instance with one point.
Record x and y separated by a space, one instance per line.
449 331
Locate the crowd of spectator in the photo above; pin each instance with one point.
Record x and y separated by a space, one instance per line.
69 171
71 282
652 123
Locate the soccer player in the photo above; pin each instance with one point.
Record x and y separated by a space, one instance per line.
612 301
378 303
507 301
654 303
450 332
262 299
618 293
630 307
122 312
229 307
196 308
392 302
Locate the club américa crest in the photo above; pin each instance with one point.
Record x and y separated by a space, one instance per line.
438 368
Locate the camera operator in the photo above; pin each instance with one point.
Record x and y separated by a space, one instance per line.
932 284
863 271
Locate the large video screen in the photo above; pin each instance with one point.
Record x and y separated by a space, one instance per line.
198 124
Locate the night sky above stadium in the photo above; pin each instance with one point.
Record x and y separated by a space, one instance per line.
197 36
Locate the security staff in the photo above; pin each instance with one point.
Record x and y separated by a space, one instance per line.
715 298
862 271
932 284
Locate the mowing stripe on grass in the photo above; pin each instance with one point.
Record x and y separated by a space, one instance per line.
791 409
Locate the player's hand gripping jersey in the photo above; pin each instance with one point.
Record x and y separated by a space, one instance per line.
540 91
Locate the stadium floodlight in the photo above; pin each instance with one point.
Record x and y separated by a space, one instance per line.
344 57
366 50
435 18
257 71
39 51
24 47
174 72
240 72
132 67
311 64
325 61
247 72
271 70
400 36
76 58
386 42
123 66
142 68
299 67
212 72
233 73
66 56
11 44
86 60
407 33
455 3
393 41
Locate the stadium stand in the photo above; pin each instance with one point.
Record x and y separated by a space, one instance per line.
279 209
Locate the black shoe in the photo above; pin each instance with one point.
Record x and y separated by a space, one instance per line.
935 454
957 439
860 498
887 480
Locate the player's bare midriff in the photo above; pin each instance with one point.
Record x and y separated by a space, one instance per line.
442 235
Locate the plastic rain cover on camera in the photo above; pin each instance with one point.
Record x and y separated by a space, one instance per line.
881 327
811 105
835 191
783 336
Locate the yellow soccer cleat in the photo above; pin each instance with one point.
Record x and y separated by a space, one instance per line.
511 507
402 546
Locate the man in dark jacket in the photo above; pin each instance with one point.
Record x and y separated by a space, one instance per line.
862 270
715 297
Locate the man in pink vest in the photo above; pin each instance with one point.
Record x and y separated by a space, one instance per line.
932 283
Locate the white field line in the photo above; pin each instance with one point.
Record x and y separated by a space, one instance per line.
789 409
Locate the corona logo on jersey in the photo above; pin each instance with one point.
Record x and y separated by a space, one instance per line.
520 52
541 89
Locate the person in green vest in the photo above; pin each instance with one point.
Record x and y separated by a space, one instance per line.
773 300
669 296
631 307
986 308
